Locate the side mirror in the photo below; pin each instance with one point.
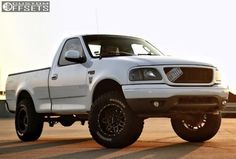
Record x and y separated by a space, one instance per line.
75 56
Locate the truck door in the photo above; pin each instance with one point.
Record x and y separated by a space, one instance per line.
68 81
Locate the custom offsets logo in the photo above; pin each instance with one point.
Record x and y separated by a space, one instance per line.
25 6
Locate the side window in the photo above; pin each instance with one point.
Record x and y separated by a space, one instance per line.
71 44
140 49
95 49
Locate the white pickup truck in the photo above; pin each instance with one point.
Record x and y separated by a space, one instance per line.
116 82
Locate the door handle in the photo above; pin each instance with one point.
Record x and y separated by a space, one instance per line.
54 77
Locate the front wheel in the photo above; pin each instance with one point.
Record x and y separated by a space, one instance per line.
28 123
111 122
196 127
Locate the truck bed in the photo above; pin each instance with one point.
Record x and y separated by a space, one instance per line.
36 81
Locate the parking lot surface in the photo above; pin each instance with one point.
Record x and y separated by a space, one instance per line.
158 140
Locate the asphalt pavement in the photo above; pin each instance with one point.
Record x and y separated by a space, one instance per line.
158 140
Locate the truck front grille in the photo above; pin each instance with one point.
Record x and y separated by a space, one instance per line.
189 74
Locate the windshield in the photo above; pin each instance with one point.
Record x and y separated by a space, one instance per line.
111 45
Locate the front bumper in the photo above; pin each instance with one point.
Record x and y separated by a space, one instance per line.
162 99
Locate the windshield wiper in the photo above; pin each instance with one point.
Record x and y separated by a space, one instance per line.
111 54
147 54
125 53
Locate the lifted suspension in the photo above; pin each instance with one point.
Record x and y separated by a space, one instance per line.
65 120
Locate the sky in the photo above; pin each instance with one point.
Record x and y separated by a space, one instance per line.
198 29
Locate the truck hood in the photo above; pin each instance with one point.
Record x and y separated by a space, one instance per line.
159 60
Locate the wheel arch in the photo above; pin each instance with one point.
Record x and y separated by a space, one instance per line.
24 94
104 86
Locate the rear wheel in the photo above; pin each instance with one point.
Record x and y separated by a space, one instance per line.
112 124
196 127
28 123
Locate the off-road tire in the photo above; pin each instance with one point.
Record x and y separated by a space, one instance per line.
204 128
112 124
28 123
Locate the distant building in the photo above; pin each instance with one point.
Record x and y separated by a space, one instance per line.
2 85
2 95
3 112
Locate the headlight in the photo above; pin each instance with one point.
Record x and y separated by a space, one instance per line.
217 76
144 74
